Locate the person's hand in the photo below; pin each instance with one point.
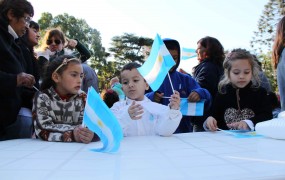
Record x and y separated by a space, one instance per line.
175 101
211 123
135 111
82 134
71 43
157 97
24 79
242 125
194 97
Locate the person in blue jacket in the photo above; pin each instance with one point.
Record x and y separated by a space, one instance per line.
183 83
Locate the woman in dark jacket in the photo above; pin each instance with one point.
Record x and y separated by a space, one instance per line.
208 72
15 16
27 43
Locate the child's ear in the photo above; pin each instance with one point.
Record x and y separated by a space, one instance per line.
147 86
55 77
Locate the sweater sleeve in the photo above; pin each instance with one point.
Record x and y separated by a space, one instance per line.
203 93
44 119
264 110
168 122
121 113
218 111
84 52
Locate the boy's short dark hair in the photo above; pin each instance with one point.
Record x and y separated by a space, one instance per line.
130 66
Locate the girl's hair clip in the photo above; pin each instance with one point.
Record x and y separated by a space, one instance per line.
64 62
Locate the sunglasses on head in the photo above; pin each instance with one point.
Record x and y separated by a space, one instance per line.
56 41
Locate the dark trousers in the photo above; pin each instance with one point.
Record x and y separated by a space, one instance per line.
22 128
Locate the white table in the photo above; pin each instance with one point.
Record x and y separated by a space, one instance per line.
188 156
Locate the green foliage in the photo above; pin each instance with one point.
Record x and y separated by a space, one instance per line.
263 38
78 29
128 48
125 48
268 69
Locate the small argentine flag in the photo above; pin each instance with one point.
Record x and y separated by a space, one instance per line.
190 108
188 53
99 119
157 64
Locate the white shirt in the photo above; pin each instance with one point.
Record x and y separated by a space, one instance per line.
157 119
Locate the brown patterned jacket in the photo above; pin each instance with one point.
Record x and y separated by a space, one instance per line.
55 119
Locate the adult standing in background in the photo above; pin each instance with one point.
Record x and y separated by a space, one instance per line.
55 44
278 59
210 54
27 43
15 17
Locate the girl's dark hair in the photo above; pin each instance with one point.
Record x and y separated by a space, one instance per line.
18 7
25 37
110 96
34 25
52 66
214 49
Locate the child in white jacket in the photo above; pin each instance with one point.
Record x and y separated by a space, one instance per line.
139 116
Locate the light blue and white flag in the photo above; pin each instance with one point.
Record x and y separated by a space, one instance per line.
99 119
157 64
191 108
187 53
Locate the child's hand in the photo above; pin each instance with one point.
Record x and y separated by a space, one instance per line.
175 101
135 111
211 123
82 134
193 97
242 125
157 96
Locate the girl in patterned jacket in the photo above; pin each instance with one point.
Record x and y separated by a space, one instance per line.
58 108
241 102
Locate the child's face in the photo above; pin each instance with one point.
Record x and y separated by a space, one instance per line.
133 84
240 73
69 82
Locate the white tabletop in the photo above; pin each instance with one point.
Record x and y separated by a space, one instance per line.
188 156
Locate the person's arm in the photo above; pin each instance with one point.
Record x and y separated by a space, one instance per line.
203 93
264 110
169 116
44 118
168 122
120 110
209 77
84 52
219 104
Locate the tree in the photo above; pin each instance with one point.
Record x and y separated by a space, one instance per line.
263 38
267 67
129 48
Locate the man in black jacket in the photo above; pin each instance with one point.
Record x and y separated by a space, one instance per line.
15 16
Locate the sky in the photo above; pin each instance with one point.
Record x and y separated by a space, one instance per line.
232 22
